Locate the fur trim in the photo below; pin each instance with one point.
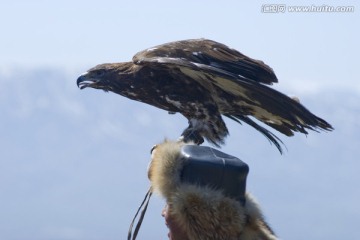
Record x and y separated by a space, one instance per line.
165 168
204 213
256 227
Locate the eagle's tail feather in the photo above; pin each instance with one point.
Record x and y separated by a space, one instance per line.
269 135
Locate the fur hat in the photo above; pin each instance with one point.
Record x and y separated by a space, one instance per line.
204 211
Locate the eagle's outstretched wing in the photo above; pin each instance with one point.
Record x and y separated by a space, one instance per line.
211 53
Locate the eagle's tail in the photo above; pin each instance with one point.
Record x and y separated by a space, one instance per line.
286 115
269 135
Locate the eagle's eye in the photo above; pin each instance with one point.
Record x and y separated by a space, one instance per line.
99 73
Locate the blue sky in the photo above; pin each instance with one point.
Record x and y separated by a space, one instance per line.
73 163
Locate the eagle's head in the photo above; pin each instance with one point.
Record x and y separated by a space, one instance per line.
106 77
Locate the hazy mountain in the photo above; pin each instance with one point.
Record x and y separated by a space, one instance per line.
73 163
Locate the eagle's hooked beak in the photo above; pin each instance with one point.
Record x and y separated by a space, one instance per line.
85 81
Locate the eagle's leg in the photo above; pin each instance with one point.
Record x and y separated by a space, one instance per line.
191 135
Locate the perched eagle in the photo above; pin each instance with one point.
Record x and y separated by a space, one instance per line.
202 80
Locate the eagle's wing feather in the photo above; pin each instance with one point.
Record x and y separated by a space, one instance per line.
213 54
264 103
269 135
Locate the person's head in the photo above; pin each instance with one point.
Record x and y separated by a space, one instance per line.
205 194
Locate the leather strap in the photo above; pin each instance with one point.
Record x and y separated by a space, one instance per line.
138 225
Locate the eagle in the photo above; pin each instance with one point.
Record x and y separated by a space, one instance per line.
203 80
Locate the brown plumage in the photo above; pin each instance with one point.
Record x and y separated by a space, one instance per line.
202 80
